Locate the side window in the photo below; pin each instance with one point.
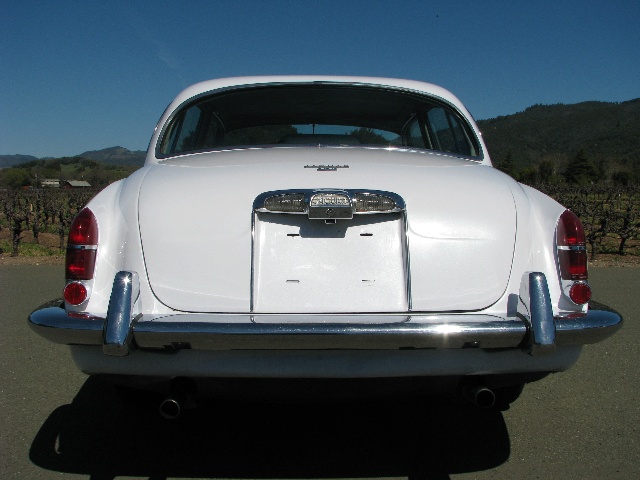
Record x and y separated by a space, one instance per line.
187 138
193 129
414 135
448 133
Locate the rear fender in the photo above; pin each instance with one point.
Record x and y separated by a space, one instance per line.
119 247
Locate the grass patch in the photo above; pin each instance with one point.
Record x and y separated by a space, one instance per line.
30 249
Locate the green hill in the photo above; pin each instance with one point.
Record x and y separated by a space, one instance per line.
608 133
12 160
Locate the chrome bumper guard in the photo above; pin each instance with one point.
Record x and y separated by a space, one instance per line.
534 329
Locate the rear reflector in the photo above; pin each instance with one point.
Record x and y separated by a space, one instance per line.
75 293
572 250
580 293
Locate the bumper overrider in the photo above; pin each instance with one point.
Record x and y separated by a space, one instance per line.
534 329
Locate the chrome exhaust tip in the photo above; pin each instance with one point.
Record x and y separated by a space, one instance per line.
482 397
171 408
182 397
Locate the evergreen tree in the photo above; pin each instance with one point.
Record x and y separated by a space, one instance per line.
507 165
580 170
546 171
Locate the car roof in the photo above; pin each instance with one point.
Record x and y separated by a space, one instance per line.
231 82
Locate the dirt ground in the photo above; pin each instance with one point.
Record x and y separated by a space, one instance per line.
51 240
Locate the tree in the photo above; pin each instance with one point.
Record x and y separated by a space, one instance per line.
626 216
36 206
507 165
546 171
16 210
621 178
580 170
15 178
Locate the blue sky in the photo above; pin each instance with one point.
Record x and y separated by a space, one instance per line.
85 75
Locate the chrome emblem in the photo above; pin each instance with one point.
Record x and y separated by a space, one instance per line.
330 205
326 168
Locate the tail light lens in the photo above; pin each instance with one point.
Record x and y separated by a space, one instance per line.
75 293
82 246
572 247
580 293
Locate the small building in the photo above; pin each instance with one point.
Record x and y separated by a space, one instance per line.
50 183
67 184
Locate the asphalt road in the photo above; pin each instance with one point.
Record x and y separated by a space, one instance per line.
57 423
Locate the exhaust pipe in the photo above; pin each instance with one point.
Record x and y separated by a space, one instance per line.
182 397
482 397
171 407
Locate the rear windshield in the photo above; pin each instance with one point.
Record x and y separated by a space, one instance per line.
316 114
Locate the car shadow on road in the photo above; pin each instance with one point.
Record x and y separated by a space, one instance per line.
415 438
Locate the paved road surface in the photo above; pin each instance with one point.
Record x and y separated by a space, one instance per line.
57 423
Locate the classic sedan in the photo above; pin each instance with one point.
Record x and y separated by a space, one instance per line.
323 228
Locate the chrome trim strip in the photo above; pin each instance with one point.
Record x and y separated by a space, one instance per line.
407 261
253 257
82 247
573 248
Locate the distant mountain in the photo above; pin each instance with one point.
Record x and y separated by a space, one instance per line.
607 132
116 156
13 160
109 156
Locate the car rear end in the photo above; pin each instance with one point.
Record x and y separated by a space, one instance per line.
363 254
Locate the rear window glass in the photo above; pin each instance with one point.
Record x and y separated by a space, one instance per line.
317 114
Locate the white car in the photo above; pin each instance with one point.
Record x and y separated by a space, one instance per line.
324 228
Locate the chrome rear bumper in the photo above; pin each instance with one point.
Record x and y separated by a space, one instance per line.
537 332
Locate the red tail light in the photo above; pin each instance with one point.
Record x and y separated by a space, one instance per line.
82 246
580 293
572 249
75 293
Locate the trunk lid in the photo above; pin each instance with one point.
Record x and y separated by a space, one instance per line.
206 251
